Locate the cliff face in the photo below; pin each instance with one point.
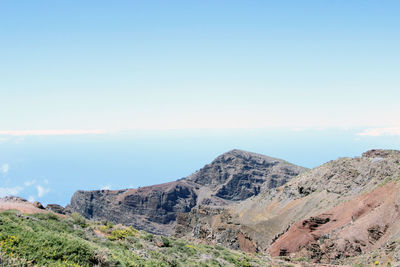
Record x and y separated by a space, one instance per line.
230 178
153 208
238 175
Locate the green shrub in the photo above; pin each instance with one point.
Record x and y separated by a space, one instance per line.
121 234
79 220
165 241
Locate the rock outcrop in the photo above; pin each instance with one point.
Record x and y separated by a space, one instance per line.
57 209
230 178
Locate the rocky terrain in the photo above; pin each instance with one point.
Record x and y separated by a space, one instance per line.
32 236
340 211
345 212
345 209
232 177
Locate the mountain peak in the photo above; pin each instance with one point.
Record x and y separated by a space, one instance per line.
238 174
246 155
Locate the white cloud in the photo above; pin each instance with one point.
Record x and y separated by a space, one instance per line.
50 132
29 183
7 191
381 131
31 198
106 187
5 168
42 191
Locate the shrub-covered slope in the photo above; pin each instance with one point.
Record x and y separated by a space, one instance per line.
47 239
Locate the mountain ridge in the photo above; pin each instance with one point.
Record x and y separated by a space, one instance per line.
233 176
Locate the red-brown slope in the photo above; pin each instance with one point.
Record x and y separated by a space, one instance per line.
352 228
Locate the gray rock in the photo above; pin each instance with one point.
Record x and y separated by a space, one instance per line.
152 208
56 208
238 175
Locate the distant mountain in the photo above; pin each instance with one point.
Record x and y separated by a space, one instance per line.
232 177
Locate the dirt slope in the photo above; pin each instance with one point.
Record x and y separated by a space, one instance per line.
20 204
352 228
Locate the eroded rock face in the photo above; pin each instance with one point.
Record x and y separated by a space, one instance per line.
153 208
231 177
238 175
350 229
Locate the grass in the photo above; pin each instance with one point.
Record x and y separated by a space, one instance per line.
50 240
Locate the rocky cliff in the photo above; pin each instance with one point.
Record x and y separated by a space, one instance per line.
230 178
238 175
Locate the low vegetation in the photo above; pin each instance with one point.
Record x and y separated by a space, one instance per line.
52 240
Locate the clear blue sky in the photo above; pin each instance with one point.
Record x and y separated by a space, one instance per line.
117 72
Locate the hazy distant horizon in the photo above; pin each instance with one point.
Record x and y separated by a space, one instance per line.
114 94
51 168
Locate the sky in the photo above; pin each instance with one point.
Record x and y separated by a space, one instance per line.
114 94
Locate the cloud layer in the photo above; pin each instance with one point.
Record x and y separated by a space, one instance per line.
50 132
381 131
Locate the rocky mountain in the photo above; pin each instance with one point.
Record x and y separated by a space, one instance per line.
238 175
346 209
232 177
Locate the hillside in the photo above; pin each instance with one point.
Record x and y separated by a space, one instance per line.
230 178
36 237
345 212
343 209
